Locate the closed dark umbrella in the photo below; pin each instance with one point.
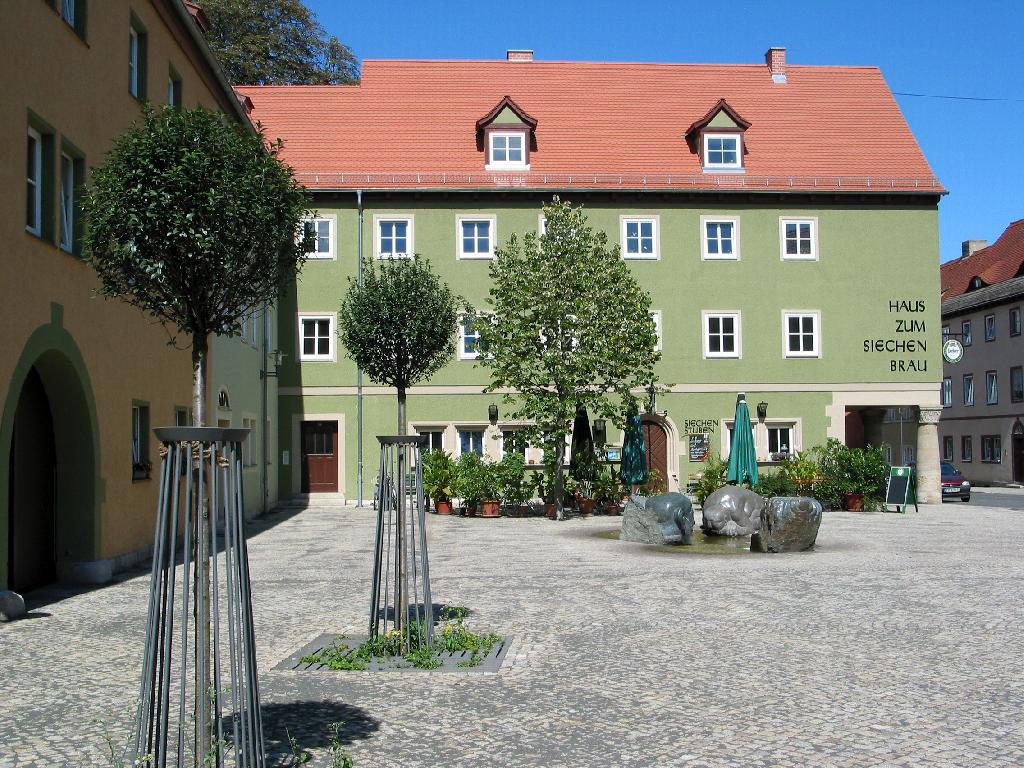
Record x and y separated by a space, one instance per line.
742 454
581 448
633 469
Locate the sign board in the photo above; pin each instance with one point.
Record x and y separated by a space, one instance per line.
952 351
613 453
901 490
700 446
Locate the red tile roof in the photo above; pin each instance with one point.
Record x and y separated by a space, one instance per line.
1002 260
413 123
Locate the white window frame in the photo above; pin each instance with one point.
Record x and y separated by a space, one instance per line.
947 447
137 433
968 385
36 227
655 223
706 152
492 223
433 429
331 333
908 454
67 11
991 388
133 62
947 392
989 324
542 225
966 448
1015 328
801 313
507 165
706 316
656 317
813 221
705 252
481 428
791 448
509 429
410 233
249 458
67 202
463 355
965 332
332 228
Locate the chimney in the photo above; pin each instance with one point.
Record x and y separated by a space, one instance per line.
970 246
519 55
776 61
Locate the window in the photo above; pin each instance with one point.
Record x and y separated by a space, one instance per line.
181 418
990 327
639 238
321 229
947 392
945 333
469 338
888 453
965 332
799 238
73 12
1015 321
435 439
137 60
966 448
475 236
968 389
34 188
723 151
656 317
140 442
780 441
720 239
71 171
801 334
512 441
173 89
542 225
1017 384
254 326
908 455
721 334
316 337
947 447
249 445
991 388
394 237
471 441
507 150
991 449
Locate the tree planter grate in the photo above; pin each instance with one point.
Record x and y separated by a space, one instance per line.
449 660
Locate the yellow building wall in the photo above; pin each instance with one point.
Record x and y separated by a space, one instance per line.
79 90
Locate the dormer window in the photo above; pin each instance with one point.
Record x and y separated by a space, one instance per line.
507 149
718 139
723 151
506 135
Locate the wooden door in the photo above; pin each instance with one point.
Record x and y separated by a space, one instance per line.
319 457
656 442
1018 459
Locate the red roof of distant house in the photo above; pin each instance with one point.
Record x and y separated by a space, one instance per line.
413 123
1001 261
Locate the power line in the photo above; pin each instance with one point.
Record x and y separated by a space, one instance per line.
955 98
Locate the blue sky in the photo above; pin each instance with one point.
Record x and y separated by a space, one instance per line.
940 47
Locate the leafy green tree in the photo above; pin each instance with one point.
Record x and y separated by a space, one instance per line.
193 219
570 327
276 42
399 324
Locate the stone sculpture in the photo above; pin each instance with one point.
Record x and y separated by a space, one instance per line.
663 519
788 524
732 511
12 606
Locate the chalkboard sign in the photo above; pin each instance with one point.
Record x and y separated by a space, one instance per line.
700 447
901 490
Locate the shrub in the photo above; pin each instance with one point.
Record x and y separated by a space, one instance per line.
439 475
775 484
712 477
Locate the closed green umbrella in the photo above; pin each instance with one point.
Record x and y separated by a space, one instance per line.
633 469
742 455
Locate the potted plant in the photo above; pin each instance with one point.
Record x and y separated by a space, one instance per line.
543 483
490 490
439 479
606 491
863 472
514 489
469 482
585 497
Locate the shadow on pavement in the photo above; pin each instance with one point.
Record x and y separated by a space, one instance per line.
308 722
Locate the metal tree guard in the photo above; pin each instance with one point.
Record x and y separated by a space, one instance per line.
201 470
400 592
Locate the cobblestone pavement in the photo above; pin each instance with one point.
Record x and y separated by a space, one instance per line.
896 643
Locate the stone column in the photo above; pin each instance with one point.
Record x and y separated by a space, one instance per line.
872 420
929 477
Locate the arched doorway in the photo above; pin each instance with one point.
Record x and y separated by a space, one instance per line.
32 526
656 443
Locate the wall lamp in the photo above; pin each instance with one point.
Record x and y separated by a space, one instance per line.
492 413
762 410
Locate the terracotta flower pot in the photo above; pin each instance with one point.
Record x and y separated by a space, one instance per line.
469 510
854 501
443 507
490 508
612 508
550 512
586 507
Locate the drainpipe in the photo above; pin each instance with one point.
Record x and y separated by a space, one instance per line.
264 441
359 371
